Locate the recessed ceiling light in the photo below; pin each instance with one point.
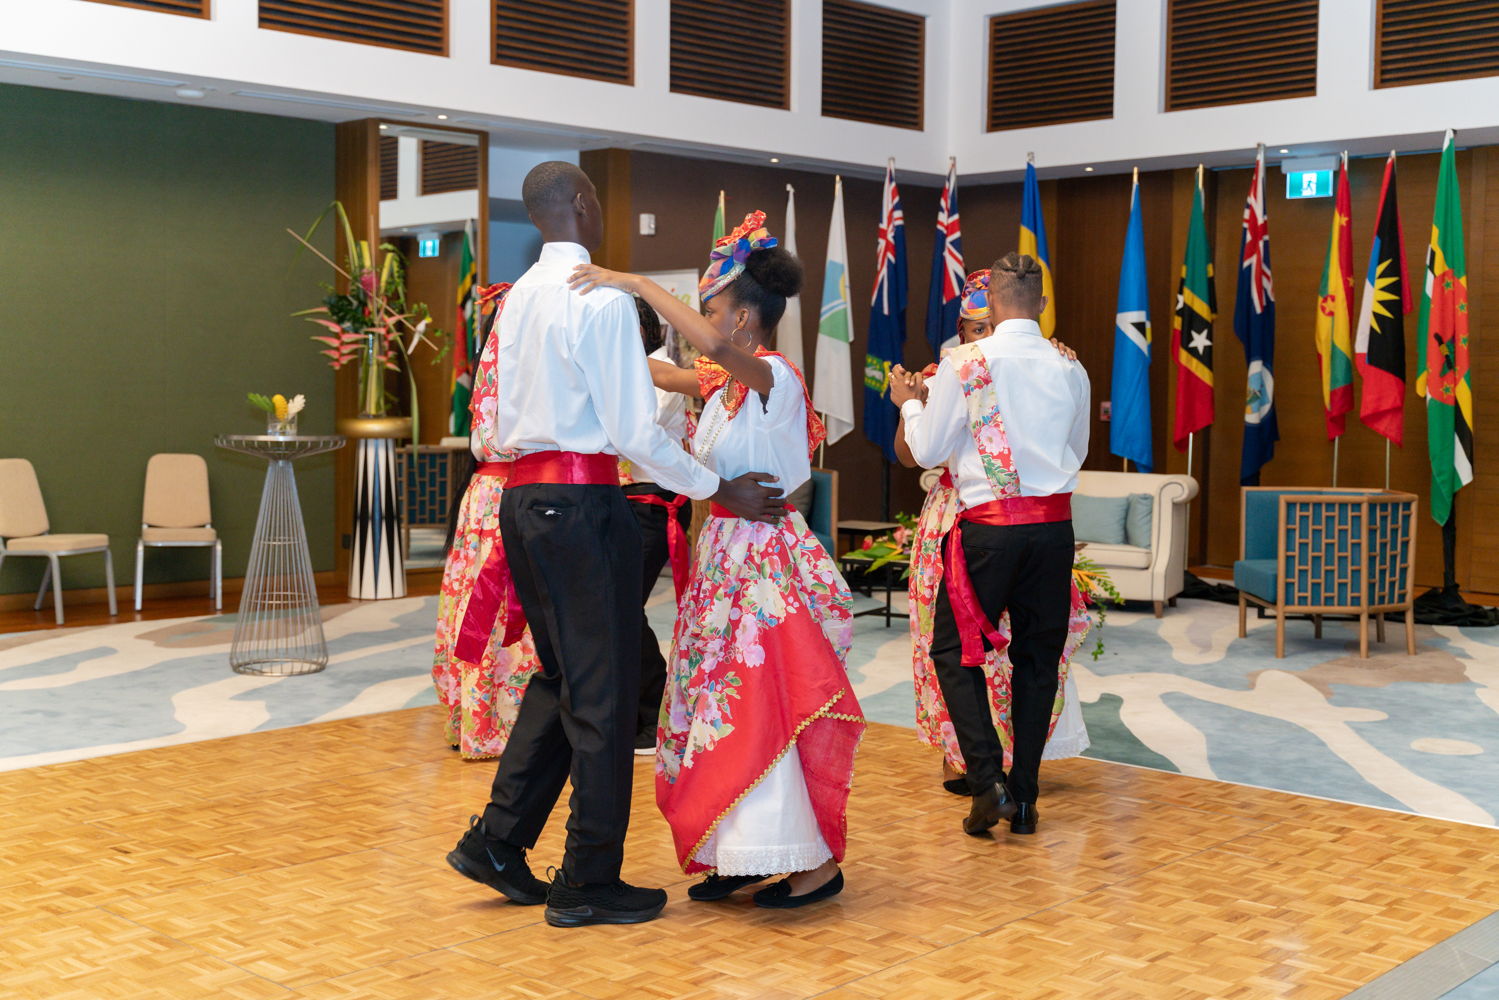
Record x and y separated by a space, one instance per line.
191 93
775 159
385 126
442 118
1285 150
1087 170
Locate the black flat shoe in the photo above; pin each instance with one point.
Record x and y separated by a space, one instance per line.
989 807
1024 820
958 786
778 896
716 887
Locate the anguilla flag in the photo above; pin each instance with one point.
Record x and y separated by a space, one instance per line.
1129 426
1254 322
887 319
1335 313
946 295
1033 242
1379 348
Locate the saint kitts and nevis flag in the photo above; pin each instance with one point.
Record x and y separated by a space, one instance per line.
887 319
1335 313
833 390
945 298
1444 341
1192 331
1033 242
1129 426
1254 324
466 338
1379 349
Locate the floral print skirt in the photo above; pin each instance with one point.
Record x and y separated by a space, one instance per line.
757 669
933 725
481 699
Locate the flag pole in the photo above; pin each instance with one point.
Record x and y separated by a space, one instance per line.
1191 439
1386 463
822 449
1335 442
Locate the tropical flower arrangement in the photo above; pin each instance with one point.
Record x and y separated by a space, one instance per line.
281 413
1098 591
893 546
371 325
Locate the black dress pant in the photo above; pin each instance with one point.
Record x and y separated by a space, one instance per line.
1027 570
654 555
574 553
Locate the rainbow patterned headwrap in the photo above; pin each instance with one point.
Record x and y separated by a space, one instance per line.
975 299
731 251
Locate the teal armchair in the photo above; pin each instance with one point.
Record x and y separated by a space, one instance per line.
822 513
1327 551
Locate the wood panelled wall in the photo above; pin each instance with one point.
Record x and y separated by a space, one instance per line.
1086 220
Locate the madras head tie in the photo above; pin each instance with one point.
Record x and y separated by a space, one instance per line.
731 251
974 303
489 293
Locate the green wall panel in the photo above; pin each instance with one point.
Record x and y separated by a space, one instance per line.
146 283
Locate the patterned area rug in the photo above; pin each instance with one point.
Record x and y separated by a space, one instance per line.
1417 734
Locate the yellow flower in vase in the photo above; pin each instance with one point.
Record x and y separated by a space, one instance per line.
279 402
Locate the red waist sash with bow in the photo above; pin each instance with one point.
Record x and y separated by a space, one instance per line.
716 509
493 588
676 536
968 614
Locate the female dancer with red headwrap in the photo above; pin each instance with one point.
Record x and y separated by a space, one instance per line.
759 725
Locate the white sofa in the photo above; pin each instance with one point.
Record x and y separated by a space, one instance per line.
1155 574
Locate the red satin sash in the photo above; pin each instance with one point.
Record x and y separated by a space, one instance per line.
676 536
493 588
973 626
499 470
718 510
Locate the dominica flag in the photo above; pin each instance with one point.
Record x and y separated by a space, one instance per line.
1254 323
833 390
887 319
1129 425
466 344
718 226
1379 349
1335 313
944 300
1444 339
1192 331
1033 242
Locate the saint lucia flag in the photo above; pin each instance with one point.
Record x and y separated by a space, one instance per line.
1033 242
1129 428
1254 322
887 320
945 299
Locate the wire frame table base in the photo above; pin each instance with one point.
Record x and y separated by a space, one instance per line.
280 628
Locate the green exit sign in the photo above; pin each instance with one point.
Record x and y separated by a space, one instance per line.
1309 184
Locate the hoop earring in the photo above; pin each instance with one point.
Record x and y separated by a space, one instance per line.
734 338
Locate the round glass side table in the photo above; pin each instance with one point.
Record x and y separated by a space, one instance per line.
280 630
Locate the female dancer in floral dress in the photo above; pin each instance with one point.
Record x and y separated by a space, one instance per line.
481 698
759 725
1069 737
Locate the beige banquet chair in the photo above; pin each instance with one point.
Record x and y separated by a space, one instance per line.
176 514
24 532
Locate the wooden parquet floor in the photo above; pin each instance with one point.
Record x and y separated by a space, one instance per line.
308 863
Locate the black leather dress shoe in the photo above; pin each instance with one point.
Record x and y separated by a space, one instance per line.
989 807
1024 820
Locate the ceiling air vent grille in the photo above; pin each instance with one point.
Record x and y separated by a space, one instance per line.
1236 53
1424 41
449 166
588 38
873 64
1051 65
418 25
191 8
704 42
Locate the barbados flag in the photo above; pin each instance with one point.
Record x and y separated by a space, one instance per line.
1033 242
1129 426
1335 313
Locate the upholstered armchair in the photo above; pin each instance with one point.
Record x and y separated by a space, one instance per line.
1147 558
1327 551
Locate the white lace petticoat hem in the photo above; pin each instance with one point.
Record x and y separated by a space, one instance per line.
779 859
1068 746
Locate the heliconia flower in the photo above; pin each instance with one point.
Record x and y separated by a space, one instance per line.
868 542
279 402
367 282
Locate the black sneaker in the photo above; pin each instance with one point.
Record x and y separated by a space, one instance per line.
497 864
614 902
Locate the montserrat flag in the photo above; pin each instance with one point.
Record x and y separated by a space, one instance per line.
1444 338
1033 242
1335 313
1129 426
1379 349
887 319
1192 331
466 344
1254 324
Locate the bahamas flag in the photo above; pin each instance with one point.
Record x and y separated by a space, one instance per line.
887 319
1033 242
1129 426
1192 331
466 345
1254 324
1335 313
1444 344
1379 349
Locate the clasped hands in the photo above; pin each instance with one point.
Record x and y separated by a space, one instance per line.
905 386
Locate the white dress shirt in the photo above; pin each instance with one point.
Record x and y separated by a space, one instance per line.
768 434
572 376
671 407
1043 398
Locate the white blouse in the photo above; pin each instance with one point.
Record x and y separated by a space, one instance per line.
768 434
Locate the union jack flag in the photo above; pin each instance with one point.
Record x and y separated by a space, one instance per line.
946 289
887 319
1254 323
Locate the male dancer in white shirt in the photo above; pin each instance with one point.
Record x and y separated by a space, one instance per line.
575 395
1019 548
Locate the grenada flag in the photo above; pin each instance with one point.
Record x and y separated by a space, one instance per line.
1335 313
